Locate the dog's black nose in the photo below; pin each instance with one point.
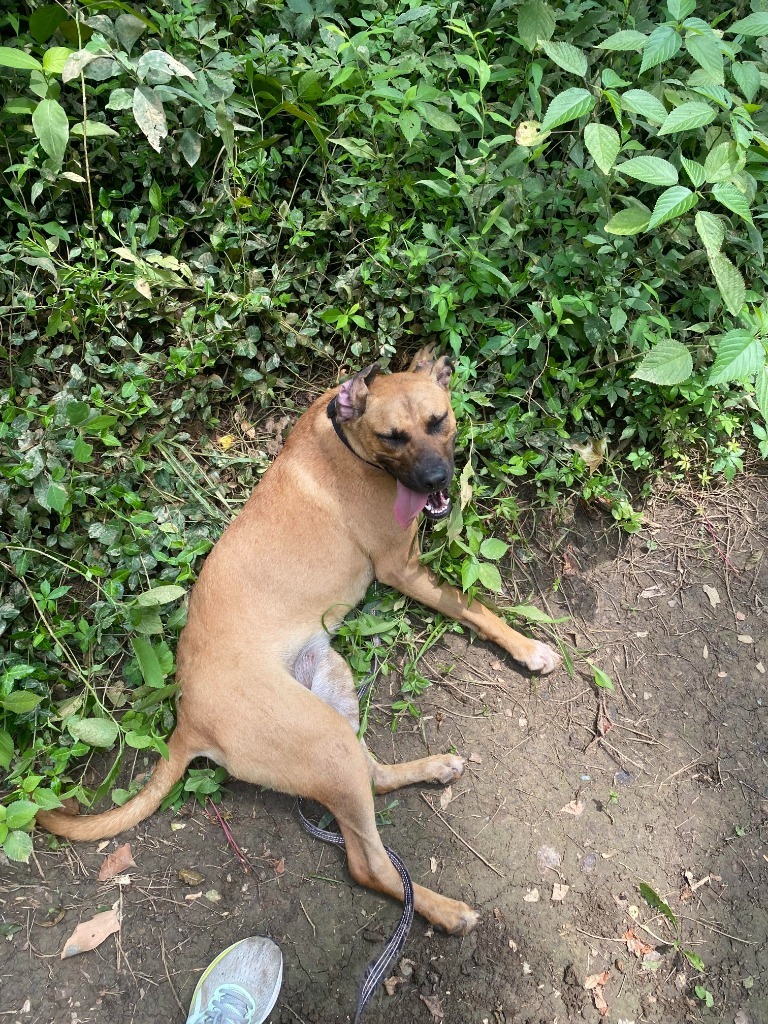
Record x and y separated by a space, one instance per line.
435 477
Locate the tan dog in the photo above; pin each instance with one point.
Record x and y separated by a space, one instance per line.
262 691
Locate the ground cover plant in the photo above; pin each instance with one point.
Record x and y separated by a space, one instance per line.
212 209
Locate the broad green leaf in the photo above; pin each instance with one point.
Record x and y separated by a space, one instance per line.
56 497
680 9
687 116
739 355
76 62
20 813
44 21
6 749
670 204
631 221
149 664
51 126
705 49
20 701
191 145
697 963
651 169
532 613
150 115
437 117
161 65
655 902
46 799
752 25
602 680
627 39
94 130
730 283
638 101
10 57
490 577
663 43
493 548
128 29
694 170
747 77
761 392
711 230
668 362
567 106
96 732
568 57
724 162
409 123
82 450
732 199
470 571
160 595
54 59
603 144
120 99
18 846
535 22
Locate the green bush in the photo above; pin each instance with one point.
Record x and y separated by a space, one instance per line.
223 204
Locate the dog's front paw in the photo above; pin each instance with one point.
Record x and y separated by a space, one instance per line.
541 658
445 768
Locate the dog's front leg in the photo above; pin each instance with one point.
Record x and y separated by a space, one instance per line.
415 580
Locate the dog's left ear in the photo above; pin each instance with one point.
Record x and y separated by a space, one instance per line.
353 394
439 370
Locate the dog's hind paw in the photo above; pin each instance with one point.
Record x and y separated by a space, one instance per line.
445 768
541 658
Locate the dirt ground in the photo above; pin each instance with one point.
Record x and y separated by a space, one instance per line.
664 782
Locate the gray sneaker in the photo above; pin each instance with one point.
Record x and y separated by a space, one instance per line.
240 986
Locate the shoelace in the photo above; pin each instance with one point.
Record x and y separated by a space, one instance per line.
230 1004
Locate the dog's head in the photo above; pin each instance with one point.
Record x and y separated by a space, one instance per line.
404 424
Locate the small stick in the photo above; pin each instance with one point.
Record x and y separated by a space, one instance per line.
244 862
314 932
460 838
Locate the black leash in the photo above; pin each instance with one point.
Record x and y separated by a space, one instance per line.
377 969
331 411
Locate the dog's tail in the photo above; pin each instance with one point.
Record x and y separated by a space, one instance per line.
103 826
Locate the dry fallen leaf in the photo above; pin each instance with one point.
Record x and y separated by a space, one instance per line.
575 807
390 984
434 1005
654 591
90 934
225 442
559 892
593 452
433 864
531 896
760 667
712 594
116 862
741 617
475 759
445 797
743 638
278 866
594 983
635 945
529 133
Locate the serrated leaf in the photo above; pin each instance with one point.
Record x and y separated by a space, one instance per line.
20 701
568 57
680 9
10 57
490 577
704 47
493 548
730 283
409 124
651 169
535 22
51 126
687 116
747 77
567 106
655 902
753 25
694 170
6 749
627 39
150 115
723 162
711 230
668 362
663 43
603 144
639 101
20 813
96 732
761 392
18 846
160 595
732 199
149 664
739 355
671 204
631 221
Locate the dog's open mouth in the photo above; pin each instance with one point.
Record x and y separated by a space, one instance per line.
438 505
408 504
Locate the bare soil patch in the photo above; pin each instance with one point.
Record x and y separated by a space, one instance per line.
668 777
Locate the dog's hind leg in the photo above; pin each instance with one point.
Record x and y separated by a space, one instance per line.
328 675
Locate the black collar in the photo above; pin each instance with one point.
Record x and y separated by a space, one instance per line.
331 411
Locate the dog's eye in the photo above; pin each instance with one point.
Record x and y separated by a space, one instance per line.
395 437
435 424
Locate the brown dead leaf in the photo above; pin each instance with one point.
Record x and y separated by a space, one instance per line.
90 934
559 892
116 862
434 1005
475 759
445 797
712 594
278 866
635 945
575 807
594 984
390 984
595 980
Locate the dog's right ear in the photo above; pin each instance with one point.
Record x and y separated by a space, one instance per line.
353 394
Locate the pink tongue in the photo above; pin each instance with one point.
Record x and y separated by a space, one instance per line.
407 505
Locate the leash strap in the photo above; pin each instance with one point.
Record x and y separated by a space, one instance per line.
377 969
